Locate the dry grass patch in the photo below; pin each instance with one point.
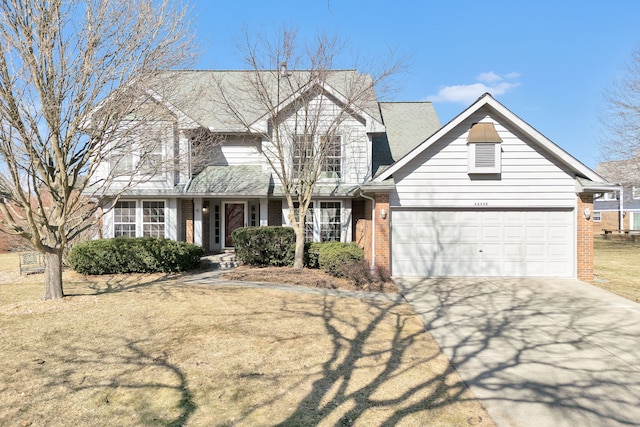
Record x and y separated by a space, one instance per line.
616 267
144 350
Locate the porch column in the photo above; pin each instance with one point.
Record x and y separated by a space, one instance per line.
197 221
264 212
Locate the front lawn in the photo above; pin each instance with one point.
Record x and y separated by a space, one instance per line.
617 267
149 350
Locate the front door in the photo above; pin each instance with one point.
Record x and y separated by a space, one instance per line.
233 218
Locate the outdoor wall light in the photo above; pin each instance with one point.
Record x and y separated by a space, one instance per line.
205 210
587 213
383 213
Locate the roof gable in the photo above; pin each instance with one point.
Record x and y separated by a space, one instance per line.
207 90
487 100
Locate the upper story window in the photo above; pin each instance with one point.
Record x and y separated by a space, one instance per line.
332 165
635 192
302 154
484 149
305 148
141 152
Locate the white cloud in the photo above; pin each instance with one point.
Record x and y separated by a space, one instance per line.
489 77
466 94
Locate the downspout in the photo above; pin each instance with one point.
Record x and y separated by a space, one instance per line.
373 229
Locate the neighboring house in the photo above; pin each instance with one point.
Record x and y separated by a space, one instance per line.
620 209
484 195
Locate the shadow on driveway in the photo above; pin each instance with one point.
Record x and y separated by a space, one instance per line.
537 352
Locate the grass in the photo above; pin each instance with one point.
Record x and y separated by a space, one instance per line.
616 267
151 350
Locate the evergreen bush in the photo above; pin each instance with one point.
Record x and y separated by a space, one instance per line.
133 255
265 246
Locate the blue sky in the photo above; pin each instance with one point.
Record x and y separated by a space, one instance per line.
547 61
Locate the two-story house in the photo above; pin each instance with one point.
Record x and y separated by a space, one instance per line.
486 194
226 182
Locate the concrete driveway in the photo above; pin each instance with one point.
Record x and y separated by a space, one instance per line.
537 352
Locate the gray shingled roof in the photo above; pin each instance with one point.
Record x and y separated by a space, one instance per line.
231 181
198 93
622 171
407 124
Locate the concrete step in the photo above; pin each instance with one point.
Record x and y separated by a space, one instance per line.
223 261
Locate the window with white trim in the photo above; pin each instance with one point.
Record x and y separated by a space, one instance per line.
153 219
124 219
308 222
330 222
302 152
141 151
597 216
305 148
332 165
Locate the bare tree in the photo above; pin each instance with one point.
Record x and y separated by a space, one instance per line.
622 118
305 103
72 73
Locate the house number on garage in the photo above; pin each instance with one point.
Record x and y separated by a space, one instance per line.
481 204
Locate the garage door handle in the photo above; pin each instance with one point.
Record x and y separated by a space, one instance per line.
480 250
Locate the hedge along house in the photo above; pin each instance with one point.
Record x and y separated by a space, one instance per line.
484 195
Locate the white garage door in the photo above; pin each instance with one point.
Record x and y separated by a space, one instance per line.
483 243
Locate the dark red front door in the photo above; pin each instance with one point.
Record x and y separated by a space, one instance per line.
233 218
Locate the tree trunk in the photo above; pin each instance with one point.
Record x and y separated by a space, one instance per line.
298 259
53 275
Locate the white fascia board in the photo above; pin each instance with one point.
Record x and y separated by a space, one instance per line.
566 158
524 127
372 125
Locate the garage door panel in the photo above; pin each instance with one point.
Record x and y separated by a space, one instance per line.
483 243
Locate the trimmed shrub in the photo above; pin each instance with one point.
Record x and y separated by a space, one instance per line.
133 255
265 246
334 257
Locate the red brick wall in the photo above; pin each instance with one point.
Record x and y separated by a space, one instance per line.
585 238
383 259
610 221
187 217
362 226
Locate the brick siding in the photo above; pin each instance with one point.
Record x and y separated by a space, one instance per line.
585 238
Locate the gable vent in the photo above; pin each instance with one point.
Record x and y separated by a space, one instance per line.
485 156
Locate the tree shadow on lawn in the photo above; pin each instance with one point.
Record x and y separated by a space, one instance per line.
127 385
377 379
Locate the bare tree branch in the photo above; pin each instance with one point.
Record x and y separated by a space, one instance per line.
304 105
71 73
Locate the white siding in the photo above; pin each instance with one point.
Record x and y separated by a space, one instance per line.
439 176
356 145
235 151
